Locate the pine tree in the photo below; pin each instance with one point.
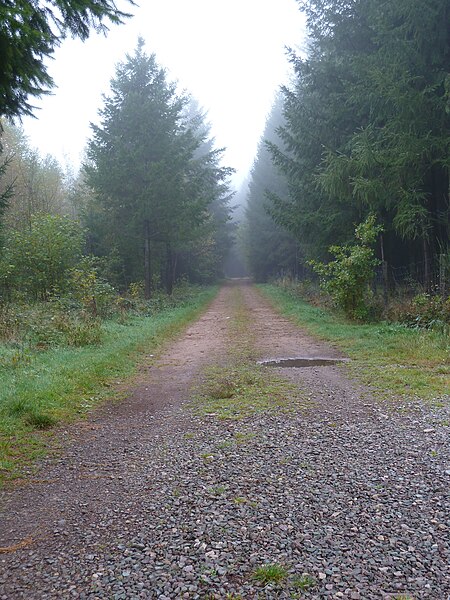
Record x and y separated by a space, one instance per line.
268 247
149 175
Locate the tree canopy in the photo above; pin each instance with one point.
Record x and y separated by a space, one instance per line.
30 30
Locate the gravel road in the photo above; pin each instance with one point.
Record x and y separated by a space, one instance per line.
349 497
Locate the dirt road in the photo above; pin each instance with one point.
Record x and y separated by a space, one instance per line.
151 498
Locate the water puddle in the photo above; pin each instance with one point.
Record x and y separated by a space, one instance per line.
301 362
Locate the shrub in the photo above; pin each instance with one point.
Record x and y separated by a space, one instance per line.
97 296
35 261
346 279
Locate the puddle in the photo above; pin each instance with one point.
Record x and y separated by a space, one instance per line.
301 362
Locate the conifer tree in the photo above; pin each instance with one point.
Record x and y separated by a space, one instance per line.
154 184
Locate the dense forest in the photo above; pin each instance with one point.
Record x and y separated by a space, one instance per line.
363 131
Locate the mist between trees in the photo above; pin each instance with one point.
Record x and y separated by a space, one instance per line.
363 129
150 205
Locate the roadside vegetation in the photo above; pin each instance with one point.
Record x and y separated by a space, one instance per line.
58 363
395 359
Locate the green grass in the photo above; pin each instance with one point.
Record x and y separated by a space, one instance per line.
304 582
61 384
389 357
240 391
272 573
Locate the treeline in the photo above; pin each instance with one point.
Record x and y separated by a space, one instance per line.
364 131
150 205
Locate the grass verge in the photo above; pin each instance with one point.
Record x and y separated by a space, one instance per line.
62 384
390 358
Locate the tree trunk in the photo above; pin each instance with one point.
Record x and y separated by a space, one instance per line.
169 270
384 267
426 260
147 262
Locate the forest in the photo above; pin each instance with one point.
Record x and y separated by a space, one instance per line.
361 132
212 393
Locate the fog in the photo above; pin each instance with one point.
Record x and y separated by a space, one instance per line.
231 56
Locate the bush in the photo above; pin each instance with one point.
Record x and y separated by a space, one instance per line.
35 261
96 296
346 279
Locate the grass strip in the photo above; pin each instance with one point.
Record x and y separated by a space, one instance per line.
62 384
394 360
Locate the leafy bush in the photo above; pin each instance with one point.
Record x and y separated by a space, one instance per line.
35 261
346 279
96 296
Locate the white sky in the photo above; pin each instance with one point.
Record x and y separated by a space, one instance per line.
229 54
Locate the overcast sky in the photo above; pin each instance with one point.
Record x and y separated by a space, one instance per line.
229 54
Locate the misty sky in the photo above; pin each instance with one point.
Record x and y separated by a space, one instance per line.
229 54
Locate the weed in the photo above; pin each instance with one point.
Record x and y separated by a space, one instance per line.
222 389
304 582
38 419
271 573
402 597
218 490
224 444
207 457
189 436
242 438
240 500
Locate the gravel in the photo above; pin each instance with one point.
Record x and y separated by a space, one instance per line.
360 503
